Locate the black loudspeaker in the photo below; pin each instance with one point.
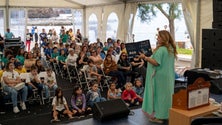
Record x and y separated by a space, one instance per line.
111 109
217 24
211 48
216 86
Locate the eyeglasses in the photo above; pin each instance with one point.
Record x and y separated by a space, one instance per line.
11 65
124 55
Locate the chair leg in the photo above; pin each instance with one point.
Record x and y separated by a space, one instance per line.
69 74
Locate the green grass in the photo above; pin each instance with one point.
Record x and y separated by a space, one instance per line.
184 51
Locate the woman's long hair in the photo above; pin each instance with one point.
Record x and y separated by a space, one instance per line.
74 94
109 56
7 66
57 96
168 42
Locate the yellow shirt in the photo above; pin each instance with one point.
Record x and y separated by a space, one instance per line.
23 70
1 72
124 50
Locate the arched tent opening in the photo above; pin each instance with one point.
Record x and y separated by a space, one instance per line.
17 22
112 26
2 21
197 14
93 28
78 20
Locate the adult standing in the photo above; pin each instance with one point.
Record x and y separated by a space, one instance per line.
78 36
159 86
36 35
9 34
43 35
64 37
28 39
55 37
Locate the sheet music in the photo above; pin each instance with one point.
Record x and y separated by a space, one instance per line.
198 97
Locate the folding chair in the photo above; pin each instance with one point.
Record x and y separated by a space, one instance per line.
46 62
106 78
55 67
60 69
36 96
43 75
87 78
73 73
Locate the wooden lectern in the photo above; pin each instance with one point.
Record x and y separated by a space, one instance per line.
196 95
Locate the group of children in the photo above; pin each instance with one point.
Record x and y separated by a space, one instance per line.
37 82
82 104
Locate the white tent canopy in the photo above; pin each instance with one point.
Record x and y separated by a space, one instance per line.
198 15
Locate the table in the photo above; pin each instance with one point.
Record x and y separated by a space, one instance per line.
184 117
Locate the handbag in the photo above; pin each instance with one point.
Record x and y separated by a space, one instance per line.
19 86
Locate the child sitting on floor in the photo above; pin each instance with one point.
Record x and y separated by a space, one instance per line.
113 93
130 96
94 95
78 102
139 89
60 106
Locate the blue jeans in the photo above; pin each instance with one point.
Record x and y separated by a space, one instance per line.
37 85
97 99
47 90
14 93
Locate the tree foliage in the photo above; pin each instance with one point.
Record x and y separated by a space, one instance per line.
47 12
170 10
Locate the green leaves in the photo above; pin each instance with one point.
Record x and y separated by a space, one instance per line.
169 10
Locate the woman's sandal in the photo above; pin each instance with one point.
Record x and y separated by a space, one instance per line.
70 118
55 120
156 120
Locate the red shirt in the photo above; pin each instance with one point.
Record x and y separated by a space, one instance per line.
129 95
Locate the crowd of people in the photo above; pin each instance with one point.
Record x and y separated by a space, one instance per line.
100 58
109 58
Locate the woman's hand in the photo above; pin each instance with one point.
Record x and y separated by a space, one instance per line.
142 55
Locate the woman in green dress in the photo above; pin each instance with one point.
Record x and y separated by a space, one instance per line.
159 85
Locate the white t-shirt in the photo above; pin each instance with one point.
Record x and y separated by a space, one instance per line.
50 80
28 37
95 95
91 69
30 78
10 75
71 60
60 106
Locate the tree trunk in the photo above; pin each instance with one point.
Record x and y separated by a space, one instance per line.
172 29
